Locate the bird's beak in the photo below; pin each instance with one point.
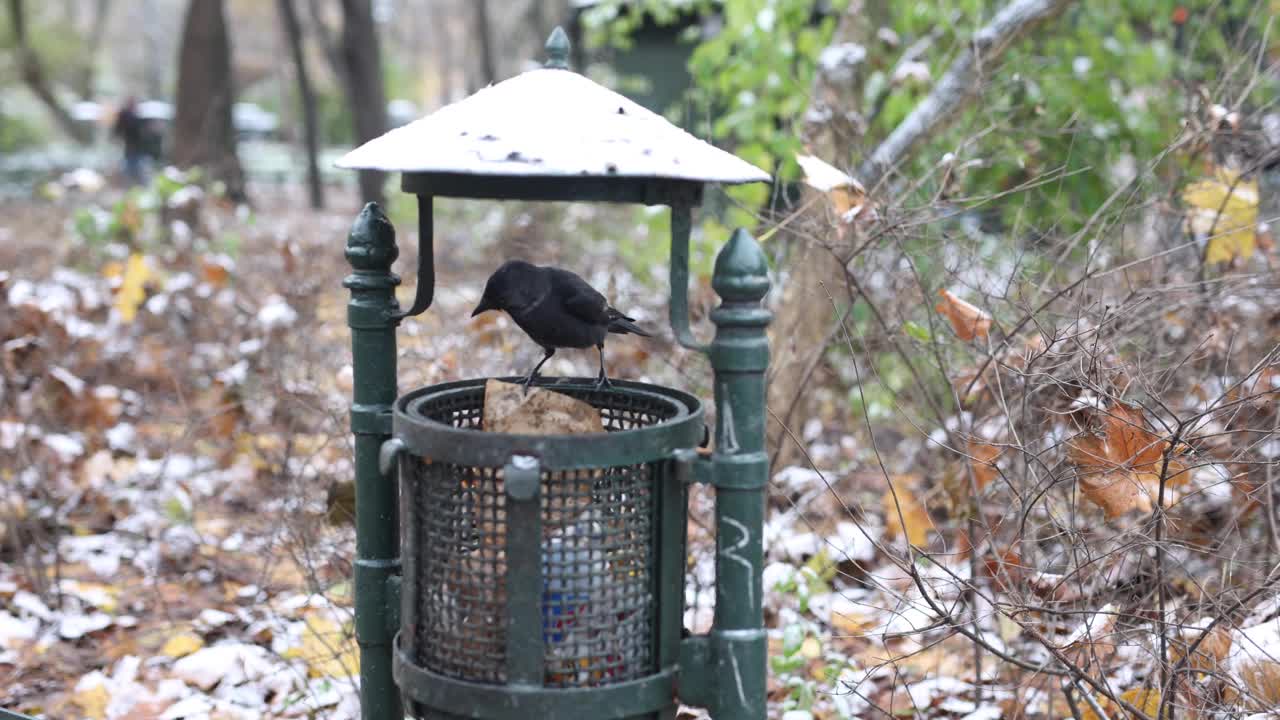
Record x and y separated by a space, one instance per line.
483 306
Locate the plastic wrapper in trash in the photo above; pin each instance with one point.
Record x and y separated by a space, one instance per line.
585 616
574 572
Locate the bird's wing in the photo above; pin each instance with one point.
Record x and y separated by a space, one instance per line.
616 314
580 299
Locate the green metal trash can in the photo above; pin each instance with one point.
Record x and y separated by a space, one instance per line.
543 576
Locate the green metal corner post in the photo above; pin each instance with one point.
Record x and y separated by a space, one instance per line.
372 315
726 670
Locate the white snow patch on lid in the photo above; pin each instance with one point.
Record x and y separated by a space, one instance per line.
550 123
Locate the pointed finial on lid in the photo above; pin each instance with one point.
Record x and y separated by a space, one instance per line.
557 50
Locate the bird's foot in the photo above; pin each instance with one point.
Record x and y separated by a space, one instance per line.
602 383
528 382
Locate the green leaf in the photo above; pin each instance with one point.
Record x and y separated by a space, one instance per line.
781 665
917 331
792 639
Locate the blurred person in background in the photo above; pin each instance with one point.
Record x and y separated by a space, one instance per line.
132 132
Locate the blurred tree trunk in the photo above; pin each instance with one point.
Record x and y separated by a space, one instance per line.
34 77
362 65
293 30
484 32
327 43
442 39
357 63
805 312
97 28
203 134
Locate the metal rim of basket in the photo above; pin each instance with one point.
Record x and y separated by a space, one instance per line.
441 442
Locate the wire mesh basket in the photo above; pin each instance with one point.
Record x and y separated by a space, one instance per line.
608 526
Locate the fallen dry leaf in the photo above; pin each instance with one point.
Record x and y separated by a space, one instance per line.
1263 682
1005 568
182 644
968 320
327 649
92 701
850 620
982 461
847 196
811 648
914 522
1094 639
1119 466
1146 700
215 270
132 287
1209 654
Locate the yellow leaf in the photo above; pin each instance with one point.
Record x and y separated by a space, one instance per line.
102 596
1226 209
845 622
132 287
913 523
968 320
182 644
327 649
1145 699
811 648
92 701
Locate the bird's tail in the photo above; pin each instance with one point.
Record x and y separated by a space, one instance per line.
621 324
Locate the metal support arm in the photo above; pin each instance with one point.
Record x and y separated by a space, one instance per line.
681 226
425 290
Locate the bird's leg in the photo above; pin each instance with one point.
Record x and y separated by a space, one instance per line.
602 381
534 372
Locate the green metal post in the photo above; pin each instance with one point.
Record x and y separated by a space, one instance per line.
725 671
525 653
372 315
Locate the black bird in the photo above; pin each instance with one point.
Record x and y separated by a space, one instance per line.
556 309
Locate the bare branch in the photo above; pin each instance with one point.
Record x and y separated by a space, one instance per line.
958 84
